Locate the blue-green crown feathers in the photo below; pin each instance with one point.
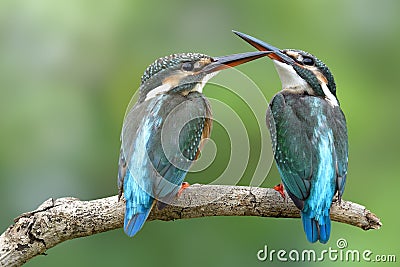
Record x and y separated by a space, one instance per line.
168 62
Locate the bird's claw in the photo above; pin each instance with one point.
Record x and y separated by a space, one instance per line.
184 185
280 189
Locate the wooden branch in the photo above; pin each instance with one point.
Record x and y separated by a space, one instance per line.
66 218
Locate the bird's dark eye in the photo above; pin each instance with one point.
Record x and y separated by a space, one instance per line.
187 66
308 61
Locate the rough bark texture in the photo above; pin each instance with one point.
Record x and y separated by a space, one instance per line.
66 218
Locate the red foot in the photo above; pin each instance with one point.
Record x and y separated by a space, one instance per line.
184 185
280 189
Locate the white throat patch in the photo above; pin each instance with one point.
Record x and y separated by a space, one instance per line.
199 87
289 77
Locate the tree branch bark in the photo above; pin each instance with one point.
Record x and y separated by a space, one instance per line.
62 219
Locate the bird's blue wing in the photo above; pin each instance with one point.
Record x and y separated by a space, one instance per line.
177 143
133 171
294 154
341 147
159 138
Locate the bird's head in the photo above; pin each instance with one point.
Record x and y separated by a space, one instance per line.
187 72
299 71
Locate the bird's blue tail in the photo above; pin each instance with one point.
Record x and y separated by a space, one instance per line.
135 223
138 205
316 230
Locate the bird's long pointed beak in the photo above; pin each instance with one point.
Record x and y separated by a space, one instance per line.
220 63
275 53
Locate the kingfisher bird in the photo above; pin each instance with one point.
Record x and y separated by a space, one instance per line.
162 133
309 135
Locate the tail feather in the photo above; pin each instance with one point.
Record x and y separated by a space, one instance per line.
138 203
310 228
316 230
325 230
133 224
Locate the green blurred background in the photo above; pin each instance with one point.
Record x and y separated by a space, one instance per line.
69 68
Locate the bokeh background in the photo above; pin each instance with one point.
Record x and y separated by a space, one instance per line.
69 68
